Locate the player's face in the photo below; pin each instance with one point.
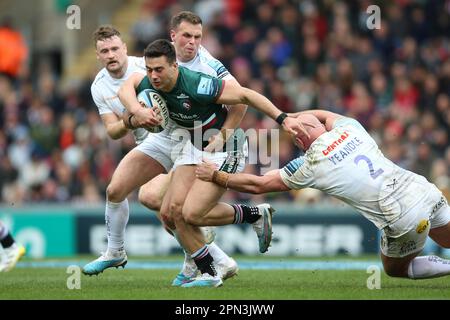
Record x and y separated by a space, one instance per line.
112 53
162 74
186 39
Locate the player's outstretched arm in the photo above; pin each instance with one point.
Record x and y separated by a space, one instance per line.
233 93
241 181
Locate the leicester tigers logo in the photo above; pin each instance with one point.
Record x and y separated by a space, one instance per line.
187 105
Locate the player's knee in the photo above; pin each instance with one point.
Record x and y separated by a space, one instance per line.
114 194
175 209
149 199
168 223
191 219
191 216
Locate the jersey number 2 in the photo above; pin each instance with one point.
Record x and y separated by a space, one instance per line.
374 174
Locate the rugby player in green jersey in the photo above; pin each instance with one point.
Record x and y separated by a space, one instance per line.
194 98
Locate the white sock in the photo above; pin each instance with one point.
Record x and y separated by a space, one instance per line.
428 267
116 216
3 231
218 255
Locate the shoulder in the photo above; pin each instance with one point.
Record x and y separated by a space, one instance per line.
99 82
214 64
346 121
136 63
99 78
190 74
144 84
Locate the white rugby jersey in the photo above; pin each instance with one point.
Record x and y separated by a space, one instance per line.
206 63
346 163
104 92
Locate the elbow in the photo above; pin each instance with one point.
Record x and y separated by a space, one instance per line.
114 136
245 96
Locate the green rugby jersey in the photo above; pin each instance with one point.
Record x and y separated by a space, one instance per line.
193 99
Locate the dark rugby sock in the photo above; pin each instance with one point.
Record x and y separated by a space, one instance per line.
243 213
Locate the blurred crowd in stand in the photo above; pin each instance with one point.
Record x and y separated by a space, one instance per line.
300 54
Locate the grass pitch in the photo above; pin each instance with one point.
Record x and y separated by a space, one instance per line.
143 284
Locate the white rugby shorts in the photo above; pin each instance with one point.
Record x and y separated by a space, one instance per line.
172 149
408 234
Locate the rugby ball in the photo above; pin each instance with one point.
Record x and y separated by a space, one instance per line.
150 98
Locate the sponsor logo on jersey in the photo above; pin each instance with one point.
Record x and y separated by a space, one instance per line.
422 225
183 116
408 247
205 86
438 205
182 96
335 143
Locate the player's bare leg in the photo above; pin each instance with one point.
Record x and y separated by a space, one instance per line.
202 208
190 237
135 169
151 195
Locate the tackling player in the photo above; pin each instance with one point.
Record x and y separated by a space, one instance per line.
342 160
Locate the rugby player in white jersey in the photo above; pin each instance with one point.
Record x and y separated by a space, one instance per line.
342 160
139 166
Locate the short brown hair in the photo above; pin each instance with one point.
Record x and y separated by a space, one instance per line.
159 48
104 32
184 16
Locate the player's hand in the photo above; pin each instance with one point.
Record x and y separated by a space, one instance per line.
147 117
294 127
205 170
217 141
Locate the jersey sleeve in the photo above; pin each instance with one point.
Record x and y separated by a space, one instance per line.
295 174
213 63
99 100
207 88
